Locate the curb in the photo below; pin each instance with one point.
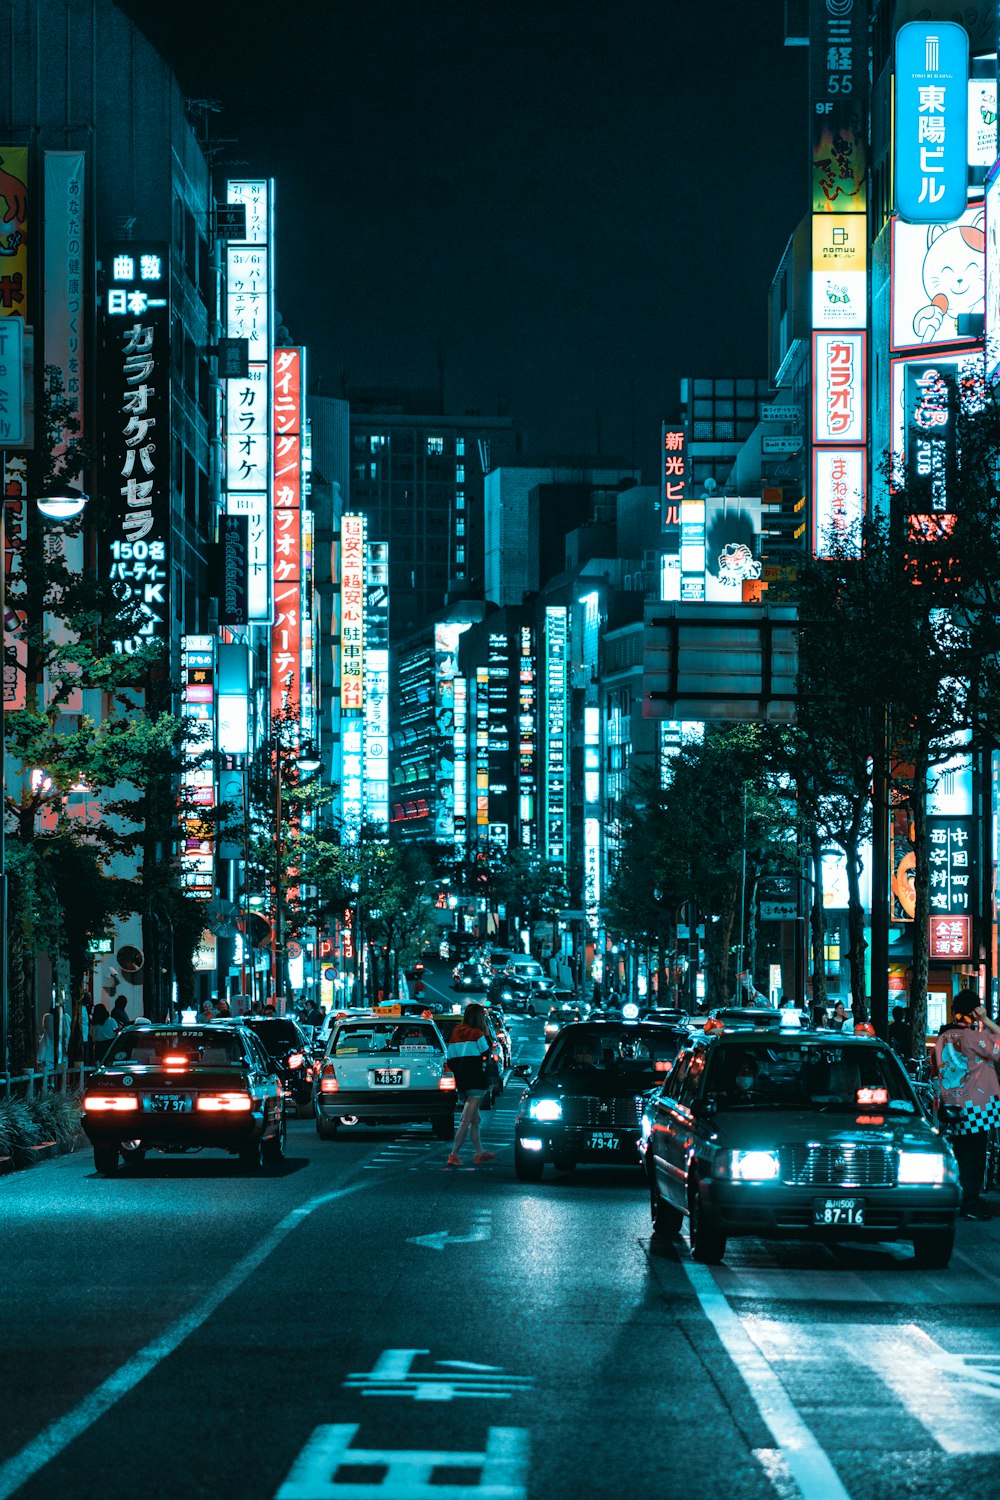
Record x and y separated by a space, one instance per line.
35 1156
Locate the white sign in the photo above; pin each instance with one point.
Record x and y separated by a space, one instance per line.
780 414
11 382
778 911
938 276
838 497
501 1471
839 387
780 444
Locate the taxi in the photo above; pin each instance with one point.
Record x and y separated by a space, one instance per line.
182 1088
796 1134
384 1068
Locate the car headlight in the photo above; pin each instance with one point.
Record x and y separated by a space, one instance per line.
922 1166
754 1166
545 1109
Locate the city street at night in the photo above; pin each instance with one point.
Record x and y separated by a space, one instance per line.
365 1321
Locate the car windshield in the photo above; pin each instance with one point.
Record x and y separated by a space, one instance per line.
190 1047
278 1036
815 1076
613 1051
401 1037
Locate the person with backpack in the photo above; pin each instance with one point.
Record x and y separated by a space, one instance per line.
468 1053
966 1051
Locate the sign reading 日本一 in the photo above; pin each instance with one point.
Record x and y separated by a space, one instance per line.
932 121
135 352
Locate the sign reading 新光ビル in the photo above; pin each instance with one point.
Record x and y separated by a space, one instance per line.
135 386
932 121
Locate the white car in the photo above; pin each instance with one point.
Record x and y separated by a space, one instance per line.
385 1068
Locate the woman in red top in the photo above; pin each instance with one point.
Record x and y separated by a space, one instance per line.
468 1049
966 1052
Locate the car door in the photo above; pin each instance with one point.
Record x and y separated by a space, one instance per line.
673 1127
263 1079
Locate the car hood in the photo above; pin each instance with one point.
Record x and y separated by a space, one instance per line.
764 1129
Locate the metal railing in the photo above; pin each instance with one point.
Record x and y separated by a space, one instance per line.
67 1079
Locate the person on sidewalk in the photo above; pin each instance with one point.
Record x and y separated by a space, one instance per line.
468 1051
966 1052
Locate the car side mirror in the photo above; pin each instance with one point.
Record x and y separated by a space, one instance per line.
521 1071
704 1109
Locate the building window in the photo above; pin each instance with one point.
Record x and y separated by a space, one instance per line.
460 556
459 473
373 470
460 447
435 445
459 499
460 527
376 441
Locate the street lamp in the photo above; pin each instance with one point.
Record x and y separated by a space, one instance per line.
57 503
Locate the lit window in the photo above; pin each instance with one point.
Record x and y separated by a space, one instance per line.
460 527
374 469
459 499
460 447
435 445
377 442
459 473
460 555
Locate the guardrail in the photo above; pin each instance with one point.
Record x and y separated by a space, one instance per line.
68 1079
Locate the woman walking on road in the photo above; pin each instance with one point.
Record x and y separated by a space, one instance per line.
966 1052
468 1049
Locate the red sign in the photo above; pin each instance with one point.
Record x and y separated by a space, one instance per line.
951 937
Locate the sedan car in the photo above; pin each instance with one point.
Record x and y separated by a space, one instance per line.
182 1088
585 1104
559 1016
293 1055
518 992
797 1134
468 977
384 1070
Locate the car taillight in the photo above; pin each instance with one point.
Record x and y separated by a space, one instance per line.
661 1066
296 1059
174 1061
118 1103
235 1104
447 1080
328 1082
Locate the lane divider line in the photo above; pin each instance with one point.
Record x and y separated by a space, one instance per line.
55 1438
808 1463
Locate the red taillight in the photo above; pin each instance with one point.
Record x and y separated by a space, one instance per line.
233 1104
174 1060
661 1066
296 1059
447 1080
328 1082
117 1103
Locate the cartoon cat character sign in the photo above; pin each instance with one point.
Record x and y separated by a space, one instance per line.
953 274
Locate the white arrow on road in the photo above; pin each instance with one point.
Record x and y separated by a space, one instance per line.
481 1230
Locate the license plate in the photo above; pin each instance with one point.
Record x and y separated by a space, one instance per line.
168 1104
833 1211
602 1140
389 1076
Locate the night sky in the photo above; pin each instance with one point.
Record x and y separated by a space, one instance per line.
579 203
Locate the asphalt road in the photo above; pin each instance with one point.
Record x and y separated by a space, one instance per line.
368 1323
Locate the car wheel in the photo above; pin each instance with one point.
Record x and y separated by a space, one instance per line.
708 1242
252 1155
106 1160
273 1150
932 1248
443 1128
326 1129
666 1219
133 1155
528 1165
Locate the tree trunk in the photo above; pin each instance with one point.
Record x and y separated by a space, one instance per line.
922 906
857 943
816 922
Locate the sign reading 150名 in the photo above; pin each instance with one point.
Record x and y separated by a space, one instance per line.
932 121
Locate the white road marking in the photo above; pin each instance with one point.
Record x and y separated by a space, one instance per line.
481 1230
55 1438
393 1375
408 1474
807 1461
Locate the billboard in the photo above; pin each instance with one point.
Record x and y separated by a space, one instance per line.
135 386
673 479
556 751
991 299
839 484
931 121
732 547
963 371
198 827
839 388
938 276
286 632
838 89
839 266
248 315
352 610
982 128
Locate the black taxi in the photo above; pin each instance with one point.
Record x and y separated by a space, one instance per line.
585 1103
182 1088
796 1134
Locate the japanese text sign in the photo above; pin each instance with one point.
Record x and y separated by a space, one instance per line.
932 121
839 388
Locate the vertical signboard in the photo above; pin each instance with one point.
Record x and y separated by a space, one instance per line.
64 231
134 324
929 404
499 723
233 565
839 484
673 481
376 676
931 121
198 779
482 710
839 271
14 306
461 769
352 610
556 723
286 632
838 96
839 388
991 307
526 737
248 399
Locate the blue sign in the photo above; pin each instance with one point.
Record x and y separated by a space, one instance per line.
932 121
